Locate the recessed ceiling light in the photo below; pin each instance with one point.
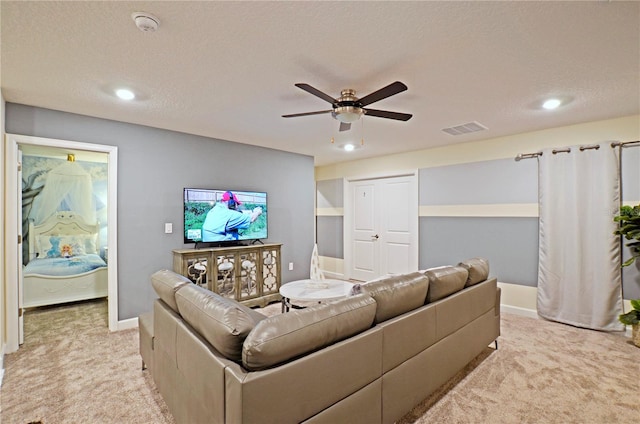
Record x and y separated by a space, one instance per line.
145 22
551 104
125 94
349 147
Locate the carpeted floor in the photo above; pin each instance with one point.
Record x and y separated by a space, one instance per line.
72 370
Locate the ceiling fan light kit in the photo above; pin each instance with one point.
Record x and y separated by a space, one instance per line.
348 108
347 114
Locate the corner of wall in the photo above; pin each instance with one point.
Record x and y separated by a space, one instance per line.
3 331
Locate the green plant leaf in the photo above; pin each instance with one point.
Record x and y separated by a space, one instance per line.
635 303
629 227
628 262
630 318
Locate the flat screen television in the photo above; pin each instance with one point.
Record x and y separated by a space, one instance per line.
224 216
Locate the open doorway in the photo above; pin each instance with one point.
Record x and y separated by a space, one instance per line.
48 154
64 244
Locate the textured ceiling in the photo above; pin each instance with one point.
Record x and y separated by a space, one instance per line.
227 69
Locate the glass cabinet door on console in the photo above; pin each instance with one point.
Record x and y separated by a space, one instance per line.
248 274
223 274
194 267
271 271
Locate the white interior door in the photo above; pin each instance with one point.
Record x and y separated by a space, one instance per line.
365 237
382 221
399 225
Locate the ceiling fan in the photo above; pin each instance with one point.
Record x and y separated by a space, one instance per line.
348 108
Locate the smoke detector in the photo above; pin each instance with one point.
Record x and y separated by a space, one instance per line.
145 22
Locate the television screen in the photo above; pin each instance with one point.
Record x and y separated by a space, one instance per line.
224 215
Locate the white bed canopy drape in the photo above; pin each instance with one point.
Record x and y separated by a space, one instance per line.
69 186
579 276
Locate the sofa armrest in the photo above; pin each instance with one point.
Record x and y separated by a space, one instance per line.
497 309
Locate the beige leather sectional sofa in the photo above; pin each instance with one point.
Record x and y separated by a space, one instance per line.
368 358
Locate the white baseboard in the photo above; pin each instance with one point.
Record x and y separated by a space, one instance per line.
530 313
127 324
515 310
333 275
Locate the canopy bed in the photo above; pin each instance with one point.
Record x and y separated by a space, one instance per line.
64 262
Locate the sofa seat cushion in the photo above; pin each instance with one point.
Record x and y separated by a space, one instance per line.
166 283
445 281
223 322
478 269
397 294
287 336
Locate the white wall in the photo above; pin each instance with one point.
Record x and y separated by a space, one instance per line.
516 298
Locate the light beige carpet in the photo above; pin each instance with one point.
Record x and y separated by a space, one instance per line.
72 370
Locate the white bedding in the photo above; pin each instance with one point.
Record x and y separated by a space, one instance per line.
64 266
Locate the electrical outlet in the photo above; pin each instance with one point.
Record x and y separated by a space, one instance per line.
168 228
290 266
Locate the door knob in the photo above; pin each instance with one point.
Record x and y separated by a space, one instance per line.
375 237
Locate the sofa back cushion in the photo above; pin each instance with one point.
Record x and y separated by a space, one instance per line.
166 283
397 294
478 269
223 322
445 281
286 336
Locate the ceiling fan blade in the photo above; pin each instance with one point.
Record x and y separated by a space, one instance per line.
383 93
386 114
307 113
345 126
316 92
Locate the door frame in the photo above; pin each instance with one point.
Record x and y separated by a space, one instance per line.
11 231
348 210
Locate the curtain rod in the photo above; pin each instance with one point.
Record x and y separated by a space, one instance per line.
521 156
625 143
527 156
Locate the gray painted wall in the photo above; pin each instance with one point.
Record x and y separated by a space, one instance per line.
330 229
330 193
630 159
513 258
330 236
487 182
510 244
154 165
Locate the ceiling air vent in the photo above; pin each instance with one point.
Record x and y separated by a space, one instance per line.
465 128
